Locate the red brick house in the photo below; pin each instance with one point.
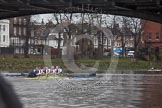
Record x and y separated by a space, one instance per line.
152 35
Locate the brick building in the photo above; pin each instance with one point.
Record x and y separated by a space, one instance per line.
152 35
123 37
19 35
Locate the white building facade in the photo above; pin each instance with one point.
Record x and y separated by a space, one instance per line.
53 40
106 42
4 33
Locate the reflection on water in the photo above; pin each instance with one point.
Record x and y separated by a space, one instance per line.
110 91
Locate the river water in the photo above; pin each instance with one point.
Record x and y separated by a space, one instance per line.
105 91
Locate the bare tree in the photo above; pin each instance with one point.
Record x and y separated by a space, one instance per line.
60 18
27 37
135 28
137 32
112 23
30 24
97 19
125 33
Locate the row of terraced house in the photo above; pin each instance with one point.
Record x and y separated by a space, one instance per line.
42 34
15 32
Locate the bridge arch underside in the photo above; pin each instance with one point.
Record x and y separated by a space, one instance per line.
145 9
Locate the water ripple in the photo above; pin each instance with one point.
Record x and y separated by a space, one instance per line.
114 91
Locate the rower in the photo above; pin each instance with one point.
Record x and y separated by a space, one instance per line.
44 71
58 70
48 71
52 70
39 72
34 72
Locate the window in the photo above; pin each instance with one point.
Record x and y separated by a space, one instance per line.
131 44
20 31
109 42
119 44
7 27
149 36
20 21
116 44
24 21
105 41
56 42
95 41
4 27
32 33
73 43
13 42
15 20
15 31
157 36
65 30
0 27
4 38
24 31
85 30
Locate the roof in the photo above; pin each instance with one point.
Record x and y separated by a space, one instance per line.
52 37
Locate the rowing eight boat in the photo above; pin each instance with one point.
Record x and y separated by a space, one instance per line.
43 77
70 76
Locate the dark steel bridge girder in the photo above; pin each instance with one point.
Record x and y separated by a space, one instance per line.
145 9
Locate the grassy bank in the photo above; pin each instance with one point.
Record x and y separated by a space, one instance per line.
26 64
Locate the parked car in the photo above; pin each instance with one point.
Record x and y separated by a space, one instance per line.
107 54
116 54
130 54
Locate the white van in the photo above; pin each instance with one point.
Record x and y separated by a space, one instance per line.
130 54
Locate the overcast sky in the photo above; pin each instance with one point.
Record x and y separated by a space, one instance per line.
45 17
76 18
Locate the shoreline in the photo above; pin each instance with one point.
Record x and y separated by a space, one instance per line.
158 73
124 65
66 71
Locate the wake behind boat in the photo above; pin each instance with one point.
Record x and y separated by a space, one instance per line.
85 75
43 77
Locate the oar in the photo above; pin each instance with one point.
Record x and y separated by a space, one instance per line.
47 74
39 74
